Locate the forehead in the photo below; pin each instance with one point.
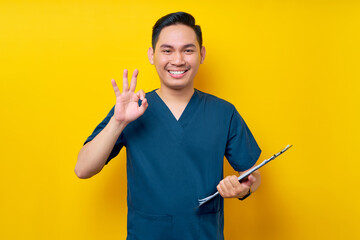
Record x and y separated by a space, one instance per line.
177 35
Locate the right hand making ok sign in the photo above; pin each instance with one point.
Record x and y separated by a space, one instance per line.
127 107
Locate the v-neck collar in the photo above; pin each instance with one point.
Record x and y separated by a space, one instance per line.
185 115
162 111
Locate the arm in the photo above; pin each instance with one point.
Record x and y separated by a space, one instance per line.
93 155
230 187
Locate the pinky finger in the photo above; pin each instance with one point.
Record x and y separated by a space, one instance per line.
115 87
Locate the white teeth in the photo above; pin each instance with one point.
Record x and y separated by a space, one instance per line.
176 72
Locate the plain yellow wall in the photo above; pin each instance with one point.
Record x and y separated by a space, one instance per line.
290 67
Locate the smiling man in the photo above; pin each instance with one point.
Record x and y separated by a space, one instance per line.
176 138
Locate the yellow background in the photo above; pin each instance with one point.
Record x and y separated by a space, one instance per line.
290 67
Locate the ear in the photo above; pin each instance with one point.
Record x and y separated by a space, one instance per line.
151 55
202 54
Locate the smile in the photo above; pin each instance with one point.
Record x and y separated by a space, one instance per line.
177 72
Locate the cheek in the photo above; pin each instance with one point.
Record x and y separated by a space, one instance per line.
161 62
193 61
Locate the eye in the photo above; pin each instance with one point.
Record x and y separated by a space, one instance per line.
189 51
166 51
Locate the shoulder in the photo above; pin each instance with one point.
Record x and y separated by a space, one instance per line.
214 101
150 94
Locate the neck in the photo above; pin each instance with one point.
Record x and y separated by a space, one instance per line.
175 96
176 100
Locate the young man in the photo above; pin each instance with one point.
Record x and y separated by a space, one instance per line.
176 138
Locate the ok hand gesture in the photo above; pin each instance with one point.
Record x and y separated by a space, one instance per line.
127 108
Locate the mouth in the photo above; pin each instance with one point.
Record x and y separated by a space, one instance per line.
177 73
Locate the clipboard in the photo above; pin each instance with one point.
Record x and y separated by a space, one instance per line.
247 173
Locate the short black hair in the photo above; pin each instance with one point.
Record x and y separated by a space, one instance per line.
173 19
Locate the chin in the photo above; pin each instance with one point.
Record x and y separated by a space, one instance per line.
177 86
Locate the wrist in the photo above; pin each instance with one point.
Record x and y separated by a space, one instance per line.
246 195
117 125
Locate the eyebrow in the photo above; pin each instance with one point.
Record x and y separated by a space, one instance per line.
189 45
185 46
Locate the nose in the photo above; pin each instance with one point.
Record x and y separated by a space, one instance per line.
178 59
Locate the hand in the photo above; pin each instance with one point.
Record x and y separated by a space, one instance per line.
230 187
127 108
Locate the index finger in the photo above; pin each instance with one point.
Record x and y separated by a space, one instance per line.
134 80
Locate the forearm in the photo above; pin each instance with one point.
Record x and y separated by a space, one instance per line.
93 155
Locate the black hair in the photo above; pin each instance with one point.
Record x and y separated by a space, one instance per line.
173 19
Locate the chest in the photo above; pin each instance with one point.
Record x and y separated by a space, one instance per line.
176 109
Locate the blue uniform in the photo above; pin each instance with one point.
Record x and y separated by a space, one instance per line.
173 163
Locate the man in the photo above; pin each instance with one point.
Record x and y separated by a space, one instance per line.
176 138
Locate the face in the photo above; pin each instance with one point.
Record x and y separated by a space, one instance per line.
177 57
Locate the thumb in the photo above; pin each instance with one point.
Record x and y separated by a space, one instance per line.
249 181
252 179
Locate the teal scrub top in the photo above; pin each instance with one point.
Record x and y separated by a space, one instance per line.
171 164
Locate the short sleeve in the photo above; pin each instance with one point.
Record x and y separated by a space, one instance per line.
242 151
119 143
